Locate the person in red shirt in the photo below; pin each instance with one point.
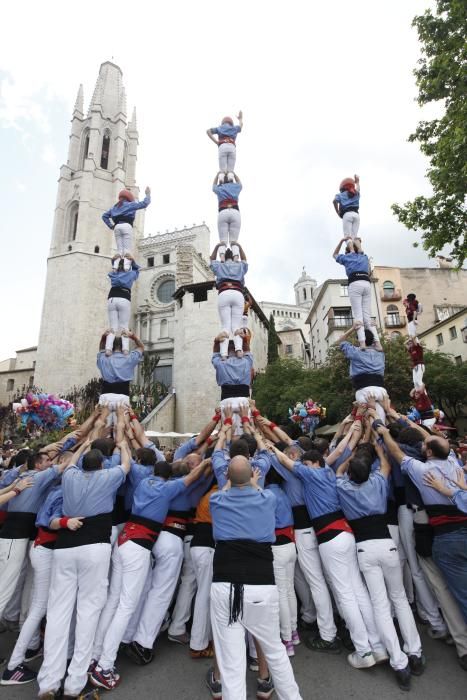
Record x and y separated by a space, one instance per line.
412 309
415 351
424 406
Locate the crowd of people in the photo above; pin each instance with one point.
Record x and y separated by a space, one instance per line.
263 541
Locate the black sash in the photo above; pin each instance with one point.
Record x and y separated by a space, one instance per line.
95 529
301 518
370 527
115 388
19 526
129 219
120 293
230 391
360 381
243 562
359 277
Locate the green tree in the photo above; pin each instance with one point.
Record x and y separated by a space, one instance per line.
441 79
273 352
282 384
148 366
446 384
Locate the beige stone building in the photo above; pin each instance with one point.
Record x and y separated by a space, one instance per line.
294 346
448 336
16 373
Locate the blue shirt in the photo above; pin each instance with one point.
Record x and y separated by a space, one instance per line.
153 496
127 209
283 513
52 505
8 477
230 270
340 460
233 370
416 470
86 494
226 130
319 488
359 500
220 465
292 485
118 367
347 200
137 473
243 514
229 190
459 498
107 462
30 500
184 450
190 496
369 361
354 262
125 279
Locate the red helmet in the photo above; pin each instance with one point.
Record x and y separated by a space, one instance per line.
126 194
227 119
347 184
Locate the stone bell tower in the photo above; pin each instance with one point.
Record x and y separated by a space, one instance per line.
101 161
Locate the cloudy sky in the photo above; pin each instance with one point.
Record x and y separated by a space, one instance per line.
326 88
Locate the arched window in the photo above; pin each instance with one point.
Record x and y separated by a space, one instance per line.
388 289
105 150
162 290
304 294
164 332
72 221
84 148
393 315
96 248
125 153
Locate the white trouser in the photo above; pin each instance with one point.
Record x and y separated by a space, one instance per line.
230 307
130 566
116 530
124 238
12 611
12 556
412 329
79 574
41 561
340 564
351 223
227 156
187 589
417 376
379 563
260 617
201 628
307 607
405 569
168 553
378 393
426 601
228 226
310 564
360 301
119 311
236 402
285 556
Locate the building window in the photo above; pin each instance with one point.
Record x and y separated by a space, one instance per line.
298 315
388 288
96 248
200 295
289 349
72 222
84 149
395 335
164 331
163 375
10 384
453 332
166 258
304 294
439 339
151 261
125 153
31 381
393 317
344 290
105 150
458 360
165 291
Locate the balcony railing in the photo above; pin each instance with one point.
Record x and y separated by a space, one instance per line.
395 321
391 294
341 323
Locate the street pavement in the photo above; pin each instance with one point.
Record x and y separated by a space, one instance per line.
174 676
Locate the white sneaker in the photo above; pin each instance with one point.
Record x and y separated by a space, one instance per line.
230 177
365 661
380 657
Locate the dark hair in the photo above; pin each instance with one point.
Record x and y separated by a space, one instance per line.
121 265
366 451
369 338
273 477
281 445
162 469
251 442
104 445
320 444
395 430
92 460
411 297
117 346
305 443
239 447
21 458
146 456
313 456
409 436
359 469
440 451
228 254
